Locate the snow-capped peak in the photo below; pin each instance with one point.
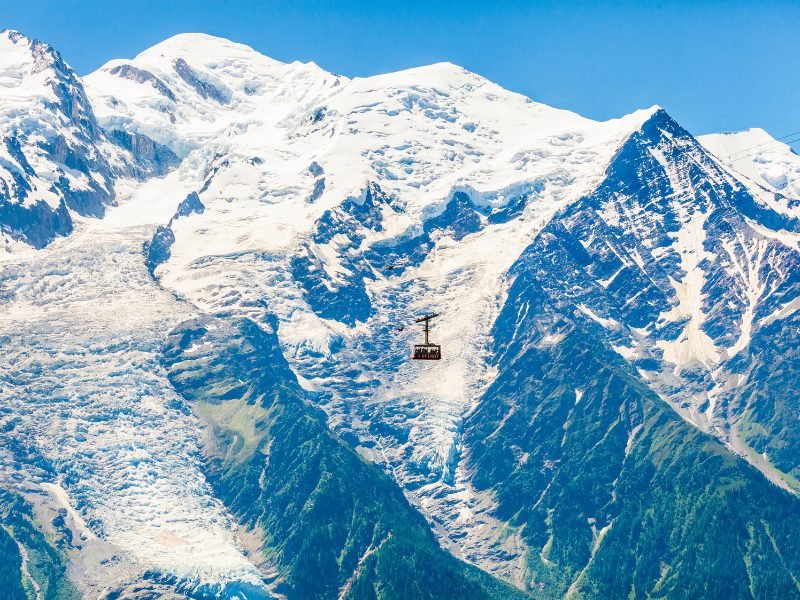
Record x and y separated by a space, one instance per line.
34 80
54 157
195 87
16 57
202 48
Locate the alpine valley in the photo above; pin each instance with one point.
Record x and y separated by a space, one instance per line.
211 264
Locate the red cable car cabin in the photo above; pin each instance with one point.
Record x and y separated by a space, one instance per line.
427 351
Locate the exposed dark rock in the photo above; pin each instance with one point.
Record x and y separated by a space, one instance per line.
143 76
158 249
190 204
316 169
37 224
151 158
316 193
204 88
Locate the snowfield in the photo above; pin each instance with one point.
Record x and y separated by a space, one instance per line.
762 161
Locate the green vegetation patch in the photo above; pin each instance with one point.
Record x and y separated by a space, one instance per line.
30 565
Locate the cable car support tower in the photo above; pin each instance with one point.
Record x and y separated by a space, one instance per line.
428 350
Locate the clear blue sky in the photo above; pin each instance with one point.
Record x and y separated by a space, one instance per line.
714 66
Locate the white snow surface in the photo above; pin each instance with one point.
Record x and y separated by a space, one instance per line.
760 159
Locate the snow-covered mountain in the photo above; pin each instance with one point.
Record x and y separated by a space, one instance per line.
56 162
609 293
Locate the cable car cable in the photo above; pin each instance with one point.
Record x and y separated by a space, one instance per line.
747 152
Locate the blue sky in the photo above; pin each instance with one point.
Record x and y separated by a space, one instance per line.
715 66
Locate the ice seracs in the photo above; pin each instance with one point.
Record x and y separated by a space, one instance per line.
83 388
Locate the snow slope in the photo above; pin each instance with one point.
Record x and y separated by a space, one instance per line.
195 88
762 160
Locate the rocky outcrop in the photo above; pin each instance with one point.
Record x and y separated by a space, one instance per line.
149 158
158 248
133 73
203 88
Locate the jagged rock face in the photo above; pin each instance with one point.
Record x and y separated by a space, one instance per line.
341 293
142 76
37 224
51 138
609 490
656 281
679 265
158 248
150 158
55 157
70 99
204 89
